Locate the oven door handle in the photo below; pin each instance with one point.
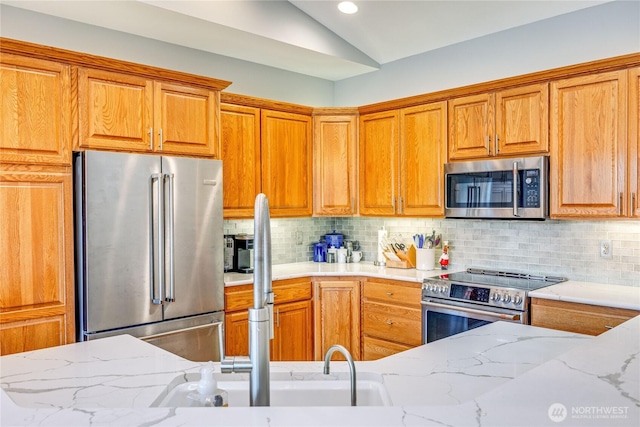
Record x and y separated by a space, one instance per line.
513 317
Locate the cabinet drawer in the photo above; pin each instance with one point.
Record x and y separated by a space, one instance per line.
579 318
374 348
392 322
392 293
241 297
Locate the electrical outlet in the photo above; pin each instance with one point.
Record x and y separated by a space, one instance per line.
606 251
298 237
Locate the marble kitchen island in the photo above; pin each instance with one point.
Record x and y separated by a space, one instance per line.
500 374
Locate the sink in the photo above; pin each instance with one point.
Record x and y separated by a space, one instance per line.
301 390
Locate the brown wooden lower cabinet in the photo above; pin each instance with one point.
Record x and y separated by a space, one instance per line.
337 315
375 348
579 318
391 317
293 320
36 242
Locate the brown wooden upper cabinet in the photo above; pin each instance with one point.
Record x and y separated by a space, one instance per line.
240 153
634 142
130 113
266 151
509 122
588 171
35 115
335 171
402 156
287 162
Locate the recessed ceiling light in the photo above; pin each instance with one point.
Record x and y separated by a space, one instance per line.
347 7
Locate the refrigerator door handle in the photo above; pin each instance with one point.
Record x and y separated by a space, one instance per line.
172 279
157 177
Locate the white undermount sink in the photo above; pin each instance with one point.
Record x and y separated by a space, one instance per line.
301 390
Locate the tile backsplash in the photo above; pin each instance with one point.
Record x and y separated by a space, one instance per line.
565 248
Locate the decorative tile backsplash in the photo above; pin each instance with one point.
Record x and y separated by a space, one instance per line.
565 248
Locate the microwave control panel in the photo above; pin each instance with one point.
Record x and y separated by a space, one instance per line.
531 188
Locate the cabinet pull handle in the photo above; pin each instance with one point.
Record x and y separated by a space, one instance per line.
160 139
353 203
393 203
389 294
620 201
496 144
400 205
632 204
608 326
150 138
278 317
389 322
488 145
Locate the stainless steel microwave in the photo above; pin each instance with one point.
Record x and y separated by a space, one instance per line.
515 188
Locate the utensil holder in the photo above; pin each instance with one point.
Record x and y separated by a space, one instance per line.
425 259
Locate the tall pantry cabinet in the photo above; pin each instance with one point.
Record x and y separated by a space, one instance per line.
36 231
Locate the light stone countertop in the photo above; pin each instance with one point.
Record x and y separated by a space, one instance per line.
314 269
499 374
592 293
574 291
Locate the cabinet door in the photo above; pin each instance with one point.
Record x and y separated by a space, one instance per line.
36 242
240 154
470 126
35 112
115 111
185 120
335 165
287 163
522 120
378 153
337 317
236 333
423 153
634 142
293 332
588 145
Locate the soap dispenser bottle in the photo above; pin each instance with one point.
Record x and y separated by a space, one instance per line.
207 393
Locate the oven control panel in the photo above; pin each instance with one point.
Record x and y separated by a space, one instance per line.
487 295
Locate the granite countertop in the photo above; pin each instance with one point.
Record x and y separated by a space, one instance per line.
499 374
574 291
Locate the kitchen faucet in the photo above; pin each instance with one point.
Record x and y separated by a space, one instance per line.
261 315
352 367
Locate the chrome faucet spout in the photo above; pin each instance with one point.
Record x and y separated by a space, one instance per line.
352 367
261 315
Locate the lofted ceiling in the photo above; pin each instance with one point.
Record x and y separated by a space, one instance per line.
309 37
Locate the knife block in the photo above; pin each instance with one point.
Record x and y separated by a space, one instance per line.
407 259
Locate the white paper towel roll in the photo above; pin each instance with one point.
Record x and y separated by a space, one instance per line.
382 237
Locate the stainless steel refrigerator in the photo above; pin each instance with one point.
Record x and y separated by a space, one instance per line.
149 250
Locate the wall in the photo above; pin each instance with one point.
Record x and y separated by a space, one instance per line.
248 78
565 248
598 32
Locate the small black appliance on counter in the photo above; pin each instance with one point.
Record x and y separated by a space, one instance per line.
243 253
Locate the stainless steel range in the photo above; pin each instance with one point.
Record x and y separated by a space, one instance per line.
457 302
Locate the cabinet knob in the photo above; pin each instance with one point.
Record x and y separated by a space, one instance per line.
389 294
389 322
